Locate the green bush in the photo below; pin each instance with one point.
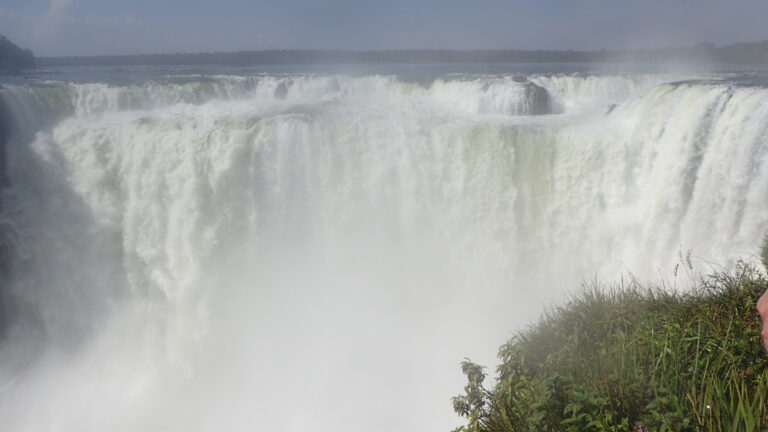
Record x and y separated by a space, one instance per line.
632 358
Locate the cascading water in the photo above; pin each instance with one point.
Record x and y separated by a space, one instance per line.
293 252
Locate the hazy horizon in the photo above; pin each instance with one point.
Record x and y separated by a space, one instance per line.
54 28
387 50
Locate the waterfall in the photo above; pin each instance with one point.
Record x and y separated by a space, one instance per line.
320 251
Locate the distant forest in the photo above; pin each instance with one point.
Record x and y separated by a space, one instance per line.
13 59
749 52
756 52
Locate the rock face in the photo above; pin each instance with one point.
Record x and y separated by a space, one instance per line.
5 135
6 251
281 92
13 59
538 98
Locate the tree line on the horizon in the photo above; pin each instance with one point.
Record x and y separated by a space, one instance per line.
751 53
15 59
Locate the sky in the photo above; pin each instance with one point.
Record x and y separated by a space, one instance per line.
97 27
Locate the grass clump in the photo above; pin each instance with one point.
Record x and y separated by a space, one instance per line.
632 358
764 251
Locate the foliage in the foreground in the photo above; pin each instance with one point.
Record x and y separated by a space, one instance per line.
764 252
630 358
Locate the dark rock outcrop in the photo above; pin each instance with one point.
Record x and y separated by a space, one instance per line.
6 249
538 98
281 92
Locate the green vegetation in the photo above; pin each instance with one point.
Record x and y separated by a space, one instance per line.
13 59
633 358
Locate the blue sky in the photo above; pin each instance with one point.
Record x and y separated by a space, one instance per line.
88 27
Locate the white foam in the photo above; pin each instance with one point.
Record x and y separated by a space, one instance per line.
224 255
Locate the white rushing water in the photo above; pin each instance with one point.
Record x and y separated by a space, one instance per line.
318 252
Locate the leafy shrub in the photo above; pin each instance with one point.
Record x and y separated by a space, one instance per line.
632 358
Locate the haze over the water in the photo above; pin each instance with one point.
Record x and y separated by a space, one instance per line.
100 27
